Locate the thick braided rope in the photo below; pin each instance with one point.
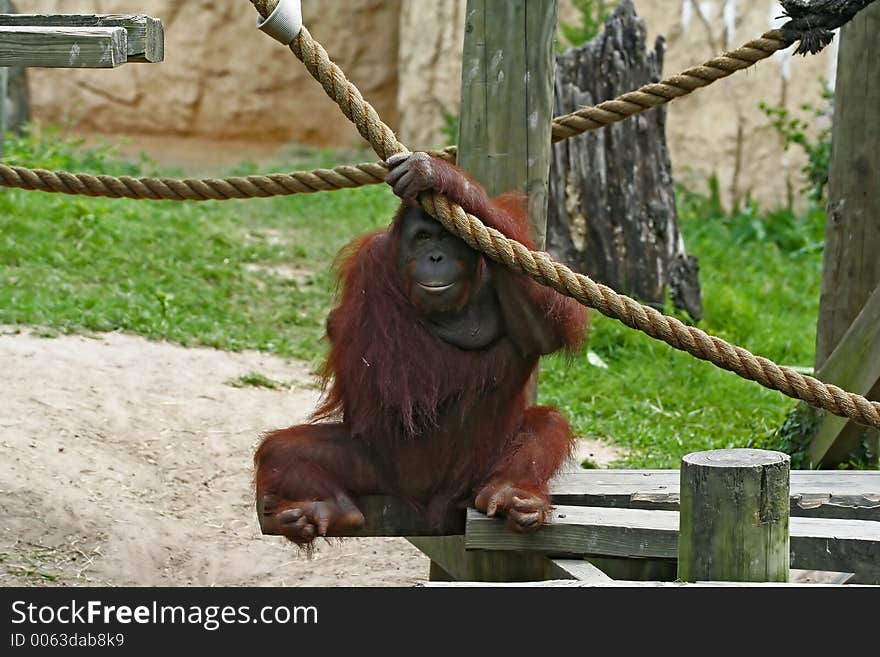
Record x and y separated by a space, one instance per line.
542 268
660 93
206 189
209 189
346 95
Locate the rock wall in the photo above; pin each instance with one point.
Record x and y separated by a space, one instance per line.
431 39
223 79
721 129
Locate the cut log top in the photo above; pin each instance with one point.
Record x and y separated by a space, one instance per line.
735 458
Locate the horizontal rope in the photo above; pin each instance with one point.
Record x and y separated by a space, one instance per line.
203 189
207 189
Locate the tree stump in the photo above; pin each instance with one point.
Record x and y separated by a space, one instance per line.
612 209
734 516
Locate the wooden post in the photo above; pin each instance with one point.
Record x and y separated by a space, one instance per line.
504 142
734 516
852 239
507 77
4 91
5 8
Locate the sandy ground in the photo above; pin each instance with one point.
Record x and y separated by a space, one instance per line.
125 462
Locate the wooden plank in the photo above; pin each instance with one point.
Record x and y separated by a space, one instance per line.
450 556
814 493
579 569
854 365
146 35
63 47
385 516
578 530
642 570
799 576
572 583
816 543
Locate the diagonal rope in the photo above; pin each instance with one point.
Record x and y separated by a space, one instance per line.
542 268
676 86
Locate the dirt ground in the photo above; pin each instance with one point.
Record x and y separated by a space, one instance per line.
125 462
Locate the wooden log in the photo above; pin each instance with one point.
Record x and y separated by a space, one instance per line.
851 270
827 544
734 516
854 365
63 47
853 494
146 35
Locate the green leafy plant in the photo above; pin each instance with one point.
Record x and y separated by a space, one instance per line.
450 127
795 131
792 232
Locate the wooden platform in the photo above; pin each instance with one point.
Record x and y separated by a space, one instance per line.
613 525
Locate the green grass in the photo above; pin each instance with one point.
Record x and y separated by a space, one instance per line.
256 380
219 274
193 273
660 403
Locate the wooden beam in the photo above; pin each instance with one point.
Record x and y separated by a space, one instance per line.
63 47
816 543
572 583
448 554
854 365
146 35
579 569
799 576
385 516
851 494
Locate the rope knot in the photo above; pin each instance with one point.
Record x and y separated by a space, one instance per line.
813 21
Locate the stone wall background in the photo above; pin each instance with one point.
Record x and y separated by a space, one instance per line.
222 79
